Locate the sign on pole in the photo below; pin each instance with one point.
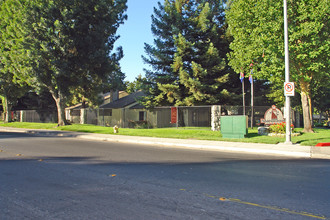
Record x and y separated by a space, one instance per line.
174 115
289 89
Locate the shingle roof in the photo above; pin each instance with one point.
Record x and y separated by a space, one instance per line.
125 101
137 106
105 96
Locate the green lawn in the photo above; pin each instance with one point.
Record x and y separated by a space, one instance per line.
320 135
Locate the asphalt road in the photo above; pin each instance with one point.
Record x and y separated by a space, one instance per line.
66 178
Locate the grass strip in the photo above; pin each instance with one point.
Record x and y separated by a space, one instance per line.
309 139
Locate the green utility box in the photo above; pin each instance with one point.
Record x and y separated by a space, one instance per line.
234 126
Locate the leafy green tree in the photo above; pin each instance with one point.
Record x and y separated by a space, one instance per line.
113 81
189 54
13 71
71 43
257 31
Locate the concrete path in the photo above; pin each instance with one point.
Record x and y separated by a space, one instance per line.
294 150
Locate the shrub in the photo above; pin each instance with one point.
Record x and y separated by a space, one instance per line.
320 124
279 128
138 124
317 124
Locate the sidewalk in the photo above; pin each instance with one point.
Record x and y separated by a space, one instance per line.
294 150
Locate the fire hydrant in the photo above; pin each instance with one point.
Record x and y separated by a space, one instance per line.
115 129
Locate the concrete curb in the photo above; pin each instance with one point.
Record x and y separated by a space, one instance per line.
233 147
320 152
294 150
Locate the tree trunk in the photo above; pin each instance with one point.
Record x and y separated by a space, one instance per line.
306 113
309 98
306 102
59 100
7 110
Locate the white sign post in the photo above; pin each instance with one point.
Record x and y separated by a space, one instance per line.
287 77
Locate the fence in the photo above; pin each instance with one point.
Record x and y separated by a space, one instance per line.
160 117
197 116
39 116
209 116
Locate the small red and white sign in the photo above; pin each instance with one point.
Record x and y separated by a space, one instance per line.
289 89
272 116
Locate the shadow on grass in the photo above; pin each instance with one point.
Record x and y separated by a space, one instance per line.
319 140
252 135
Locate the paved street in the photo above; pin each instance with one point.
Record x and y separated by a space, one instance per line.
66 178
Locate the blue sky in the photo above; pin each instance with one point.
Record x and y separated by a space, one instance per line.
133 34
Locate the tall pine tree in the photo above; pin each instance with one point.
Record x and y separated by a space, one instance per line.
189 54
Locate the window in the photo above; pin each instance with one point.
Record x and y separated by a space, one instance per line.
105 112
142 116
75 112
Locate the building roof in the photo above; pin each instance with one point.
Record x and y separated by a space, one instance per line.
137 106
121 94
74 107
125 101
106 98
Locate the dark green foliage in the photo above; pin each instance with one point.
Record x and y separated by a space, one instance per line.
34 101
13 72
189 55
140 83
257 31
71 43
321 97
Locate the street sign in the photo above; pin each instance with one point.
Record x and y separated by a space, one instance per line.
289 89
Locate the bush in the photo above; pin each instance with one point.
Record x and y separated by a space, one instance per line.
279 128
138 124
317 124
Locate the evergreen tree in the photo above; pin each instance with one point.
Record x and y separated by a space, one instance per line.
189 56
140 83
